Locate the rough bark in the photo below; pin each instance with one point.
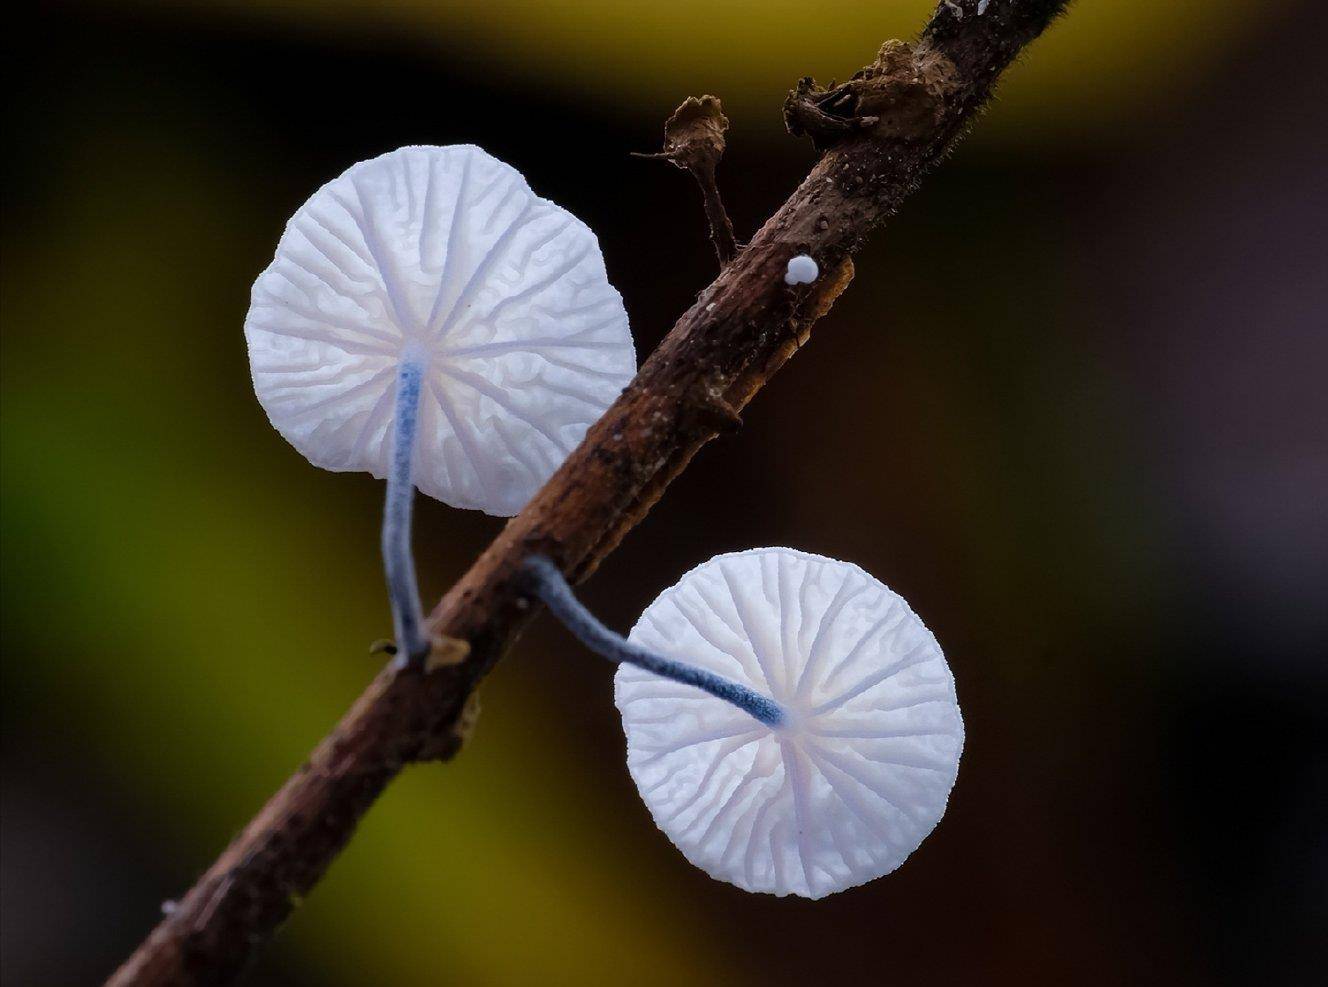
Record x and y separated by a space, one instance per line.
884 130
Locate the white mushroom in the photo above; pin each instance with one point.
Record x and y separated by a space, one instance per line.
442 256
859 767
431 286
801 270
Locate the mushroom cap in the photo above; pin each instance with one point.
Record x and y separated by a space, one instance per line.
441 254
859 773
801 270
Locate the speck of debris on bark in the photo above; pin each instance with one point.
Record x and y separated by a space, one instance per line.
464 727
446 651
900 95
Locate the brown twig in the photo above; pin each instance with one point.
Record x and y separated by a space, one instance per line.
718 355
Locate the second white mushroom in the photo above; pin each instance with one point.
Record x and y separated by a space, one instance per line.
791 724
860 768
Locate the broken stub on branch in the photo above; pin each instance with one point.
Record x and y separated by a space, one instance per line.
901 95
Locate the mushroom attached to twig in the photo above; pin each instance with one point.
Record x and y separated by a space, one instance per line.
430 320
859 768
791 724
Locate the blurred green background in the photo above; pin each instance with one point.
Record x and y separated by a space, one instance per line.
1072 408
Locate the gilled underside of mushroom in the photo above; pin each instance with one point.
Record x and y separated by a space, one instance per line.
791 724
430 320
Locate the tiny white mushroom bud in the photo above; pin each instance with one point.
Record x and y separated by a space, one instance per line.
443 258
801 270
858 770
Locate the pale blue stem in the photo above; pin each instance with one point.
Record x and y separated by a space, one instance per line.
548 582
399 563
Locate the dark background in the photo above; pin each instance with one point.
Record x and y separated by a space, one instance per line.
1072 408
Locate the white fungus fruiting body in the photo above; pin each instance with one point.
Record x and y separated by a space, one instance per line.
801 270
860 771
441 255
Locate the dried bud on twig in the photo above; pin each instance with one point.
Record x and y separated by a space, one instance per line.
694 135
694 141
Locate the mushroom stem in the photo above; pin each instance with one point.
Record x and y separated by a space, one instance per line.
549 584
398 561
